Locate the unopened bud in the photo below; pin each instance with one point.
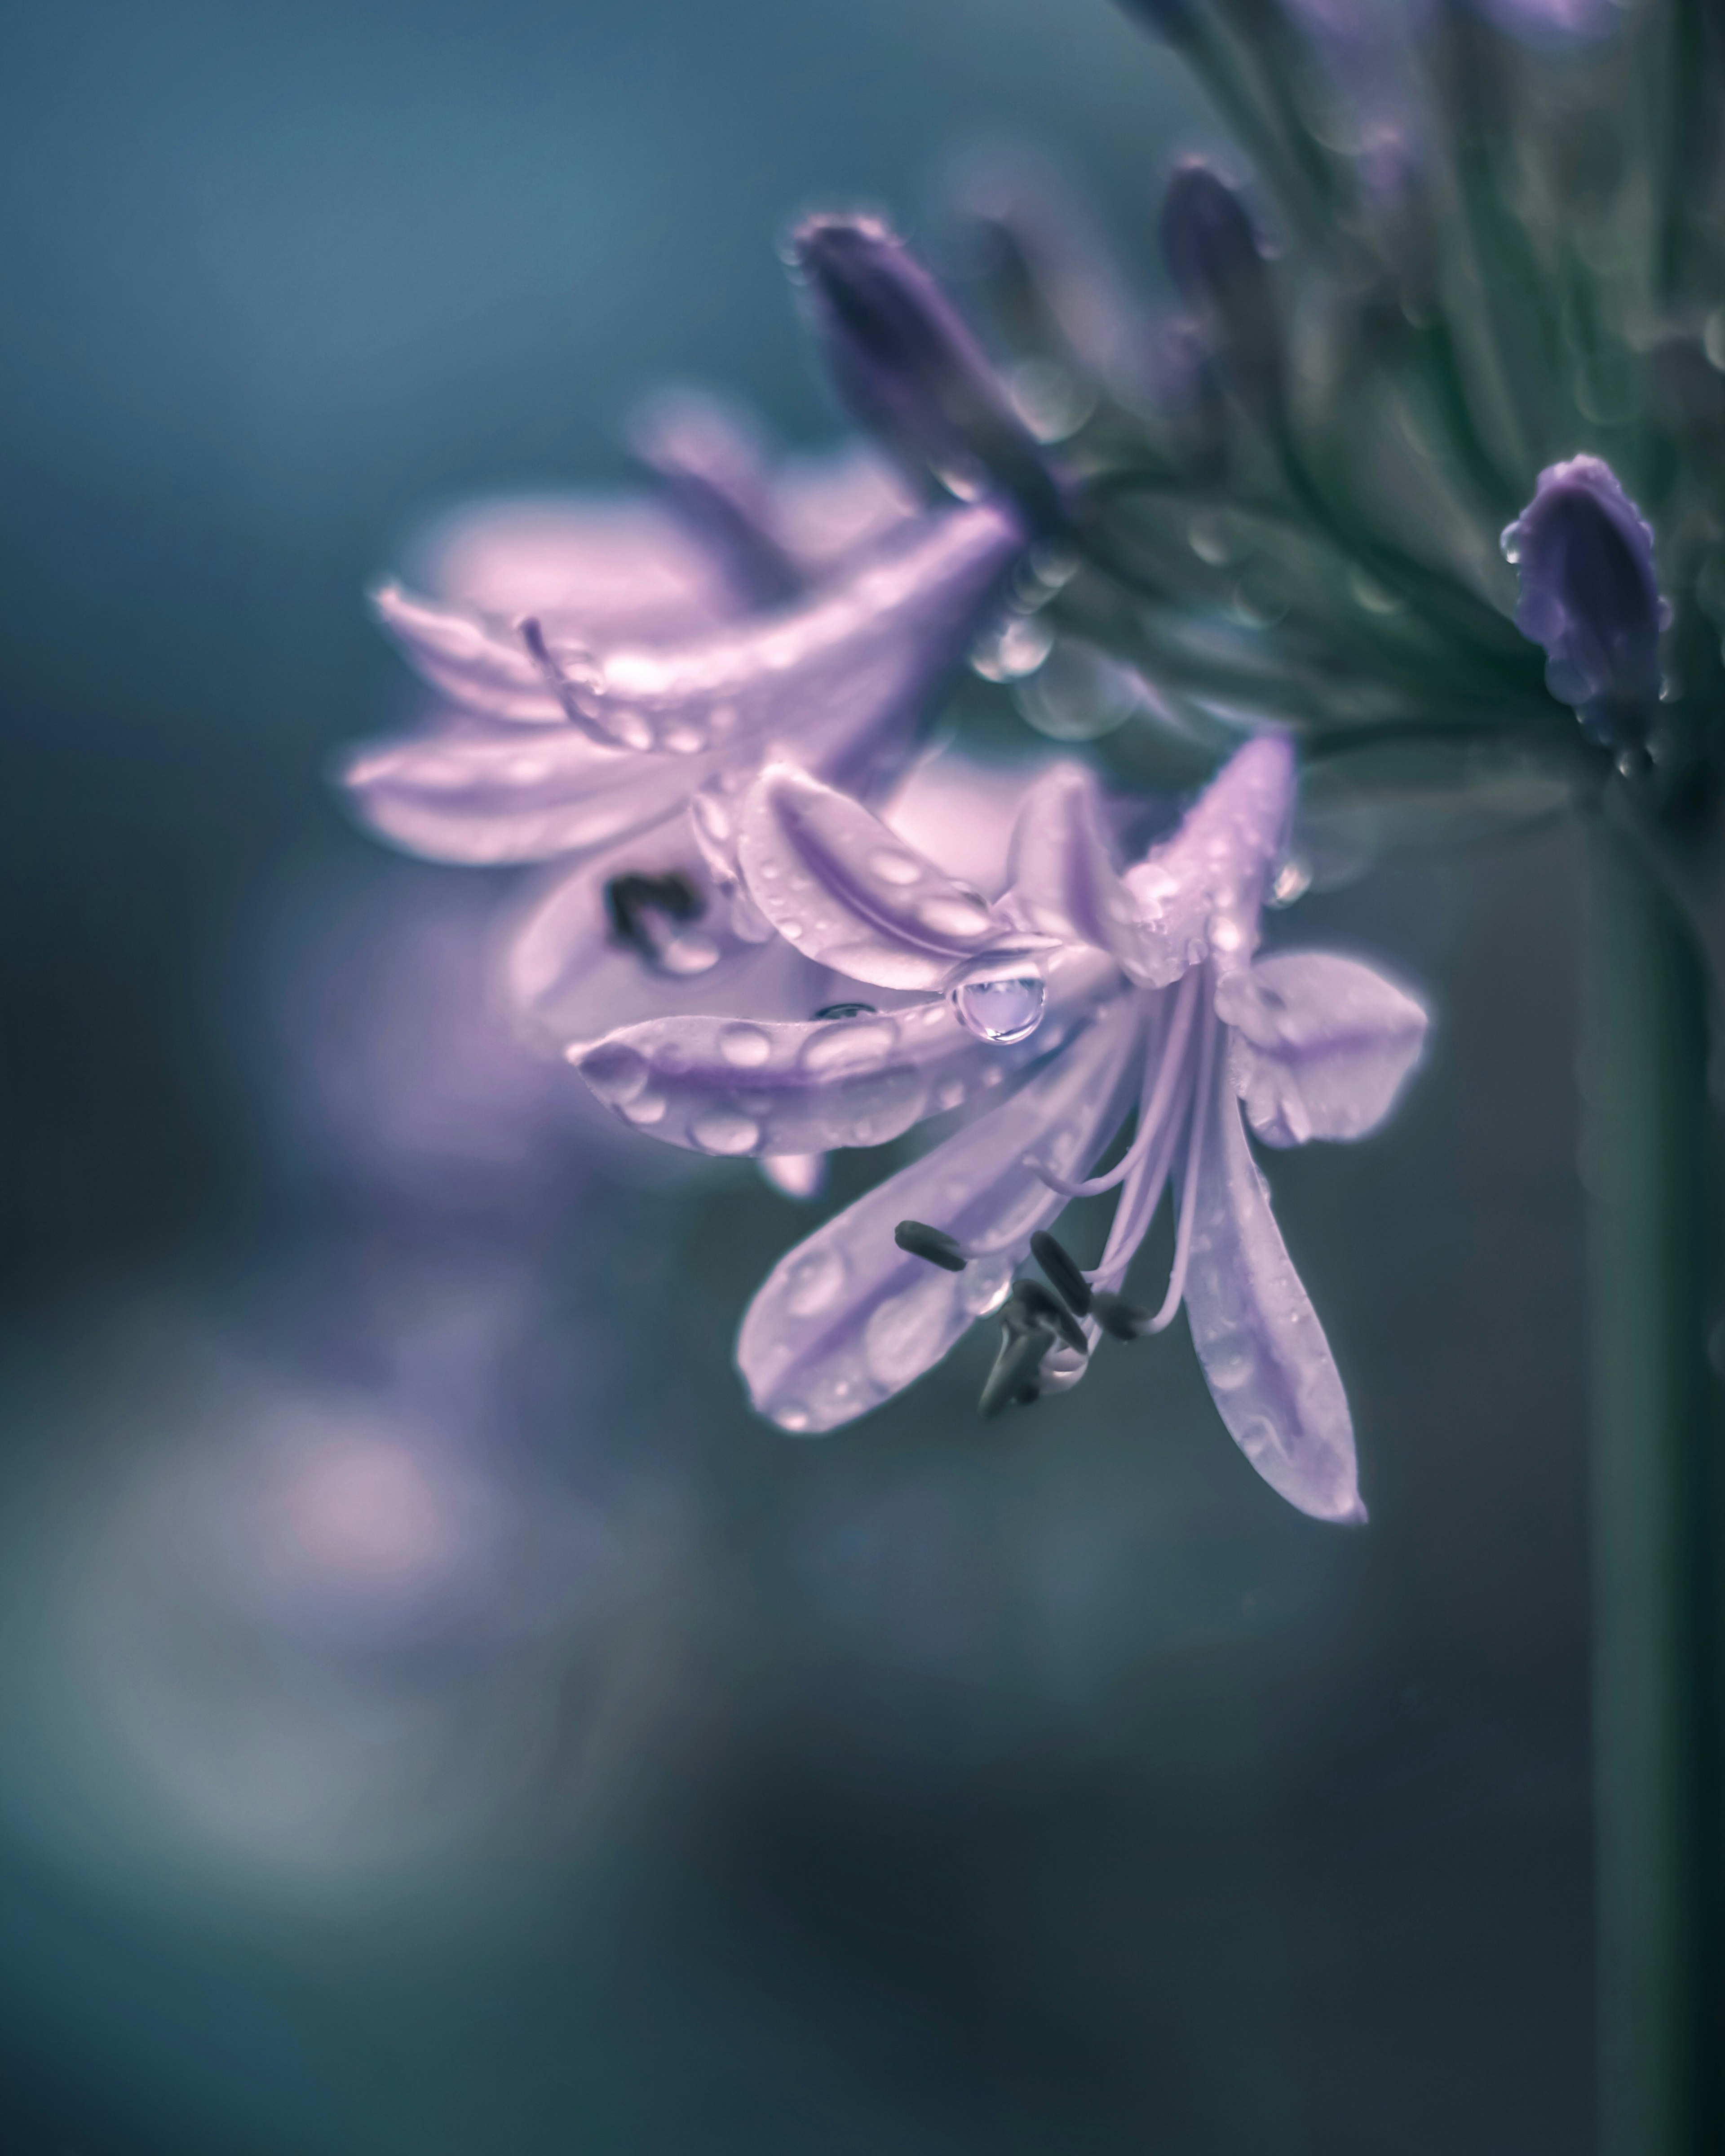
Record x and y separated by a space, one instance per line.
1583 553
910 368
1211 252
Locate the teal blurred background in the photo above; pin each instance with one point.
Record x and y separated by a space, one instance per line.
438 1718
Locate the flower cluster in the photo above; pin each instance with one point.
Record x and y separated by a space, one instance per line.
1266 534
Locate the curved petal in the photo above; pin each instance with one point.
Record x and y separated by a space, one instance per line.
479 659
1322 1045
859 656
839 883
572 978
847 1319
609 566
1266 1362
722 1085
477 794
1198 893
1064 882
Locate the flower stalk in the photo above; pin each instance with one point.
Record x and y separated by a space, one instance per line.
1653 1190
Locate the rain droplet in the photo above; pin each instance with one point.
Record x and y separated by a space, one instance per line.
616 1074
794 1418
956 916
723 1131
645 1108
744 1045
892 866
1001 1008
813 1283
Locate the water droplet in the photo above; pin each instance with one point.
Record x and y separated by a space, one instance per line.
958 917
723 1131
645 1109
616 1074
683 740
850 1044
1225 934
792 929
986 1285
744 1045
793 1417
892 866
1001 1008
813 1283
1292 880
629 728
905 1334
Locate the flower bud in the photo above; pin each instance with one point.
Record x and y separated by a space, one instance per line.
1213 255
910 370
1583 553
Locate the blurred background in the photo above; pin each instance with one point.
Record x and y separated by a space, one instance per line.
438 1718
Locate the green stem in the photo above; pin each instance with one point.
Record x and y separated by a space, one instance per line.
1654 1220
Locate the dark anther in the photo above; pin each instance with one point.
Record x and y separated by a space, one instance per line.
845 1010
1120 1319
1039 1307
629 899
1064 1277
919 1240
1012 1379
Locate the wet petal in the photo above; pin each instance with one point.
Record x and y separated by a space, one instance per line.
1322 1045
847 1319
478 794
843 888
858 657
571 979
477 658
1266 1362
1199 892
724 1085
1064 882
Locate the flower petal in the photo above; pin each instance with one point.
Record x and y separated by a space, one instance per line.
847 1319
478 794
839 883
860 656
1266 1362
1322 1045
722 1085
572 977
1198 893
479 659
1064 880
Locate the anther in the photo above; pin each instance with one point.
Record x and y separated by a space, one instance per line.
1119 1319
631 899
919 1240
845 1010
1064 1277
1012 1382
1040 1308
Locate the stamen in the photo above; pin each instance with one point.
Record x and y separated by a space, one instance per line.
1119 1319
1188 1188
1063 1273
1013 1378
533 635
917 1239
845 1010
1040 1308
1158 1079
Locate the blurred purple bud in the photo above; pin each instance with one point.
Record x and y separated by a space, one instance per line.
1583 553
1554 21
1213 255
910 368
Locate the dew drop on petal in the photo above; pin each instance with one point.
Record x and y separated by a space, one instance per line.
645 1109
1003 1008
986 1284
793 1417
745 1046
616 1074
848 1044
814 1282
723 1131
953 916
903 1336
891 866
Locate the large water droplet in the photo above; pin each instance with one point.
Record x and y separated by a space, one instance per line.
615 1073
1001 1007
744 1045
891 866
813 1283
723 1131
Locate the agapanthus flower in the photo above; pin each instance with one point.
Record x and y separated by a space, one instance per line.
1108 995
614 677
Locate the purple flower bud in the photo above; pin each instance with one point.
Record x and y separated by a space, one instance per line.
910 368
1583 553
1213 255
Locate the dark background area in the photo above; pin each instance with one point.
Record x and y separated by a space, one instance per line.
1038 1786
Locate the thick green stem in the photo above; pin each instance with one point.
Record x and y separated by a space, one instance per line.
1653 1182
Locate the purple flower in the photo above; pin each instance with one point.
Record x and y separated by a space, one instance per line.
910 370
1213 255
610 693
1108 994
1589 594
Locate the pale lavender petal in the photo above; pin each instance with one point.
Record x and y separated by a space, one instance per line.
477 659
847 1319
1266 1362
858 659
1199 892
962 811
1064 882
571 978
709 459
476 793
1322 1045
845 889
829 505
720 1084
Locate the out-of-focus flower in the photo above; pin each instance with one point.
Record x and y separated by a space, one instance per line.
1213 256
1589 594
1145 985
